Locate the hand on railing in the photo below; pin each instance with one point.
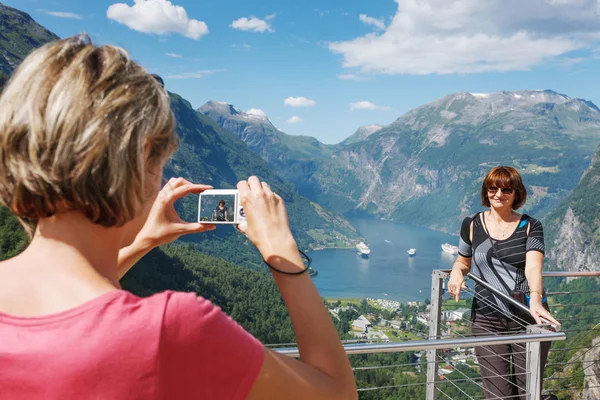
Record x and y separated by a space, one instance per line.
541 315
456 283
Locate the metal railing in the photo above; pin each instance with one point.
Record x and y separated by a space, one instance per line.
501 373
572 360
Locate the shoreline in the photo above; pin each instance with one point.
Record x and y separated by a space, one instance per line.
332 248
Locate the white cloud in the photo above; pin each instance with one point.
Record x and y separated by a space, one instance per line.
253 24
367 105
244 46
351 77
378 23
173 55
194 74
61 14
473 36
299 102
157 17
294 120
257 112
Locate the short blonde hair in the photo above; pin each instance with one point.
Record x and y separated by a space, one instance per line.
75 122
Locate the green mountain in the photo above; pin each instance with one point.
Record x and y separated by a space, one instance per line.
572 229
19 34
209 154
294 157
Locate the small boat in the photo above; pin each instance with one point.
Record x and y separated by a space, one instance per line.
387 241
448 248
411 252
363 250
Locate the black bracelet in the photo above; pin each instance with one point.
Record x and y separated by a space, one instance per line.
308 262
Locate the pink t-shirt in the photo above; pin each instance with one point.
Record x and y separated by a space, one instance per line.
119 346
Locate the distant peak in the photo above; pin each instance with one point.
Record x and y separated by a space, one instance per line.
229 110
256 113
362 133
517 94
370 129
221 107
480 95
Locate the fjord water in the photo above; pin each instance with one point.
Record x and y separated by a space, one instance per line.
388 273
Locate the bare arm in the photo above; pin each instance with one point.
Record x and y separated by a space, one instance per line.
130 255
533 273
323 371
163 225
460 268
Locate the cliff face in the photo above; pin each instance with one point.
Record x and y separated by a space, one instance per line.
574 248
591 367
19 34
573 227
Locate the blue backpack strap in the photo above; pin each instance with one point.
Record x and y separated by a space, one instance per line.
524 221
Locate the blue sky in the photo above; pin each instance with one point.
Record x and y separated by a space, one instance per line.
342 64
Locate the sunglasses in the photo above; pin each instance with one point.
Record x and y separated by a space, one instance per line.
504 190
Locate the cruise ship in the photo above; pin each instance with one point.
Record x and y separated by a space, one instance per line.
363 250
448 248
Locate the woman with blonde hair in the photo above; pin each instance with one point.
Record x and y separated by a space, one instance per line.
505 249
84 135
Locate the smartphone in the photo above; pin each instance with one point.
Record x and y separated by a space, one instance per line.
220 206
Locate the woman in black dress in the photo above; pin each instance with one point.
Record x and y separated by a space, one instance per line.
506 250
220 213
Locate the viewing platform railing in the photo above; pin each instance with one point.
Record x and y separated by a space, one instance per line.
452 370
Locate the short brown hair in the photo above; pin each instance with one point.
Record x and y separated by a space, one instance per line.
75 122
503 176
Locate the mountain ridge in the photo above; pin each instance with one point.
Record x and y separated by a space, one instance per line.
19 34
418 161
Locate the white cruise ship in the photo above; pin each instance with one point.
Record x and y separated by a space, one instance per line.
448 248
363 249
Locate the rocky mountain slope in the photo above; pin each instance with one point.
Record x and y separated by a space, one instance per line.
426 167
19 34
362 133
592 374
573 227
295 158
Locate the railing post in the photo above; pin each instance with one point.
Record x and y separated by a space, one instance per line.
435 314
533 376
